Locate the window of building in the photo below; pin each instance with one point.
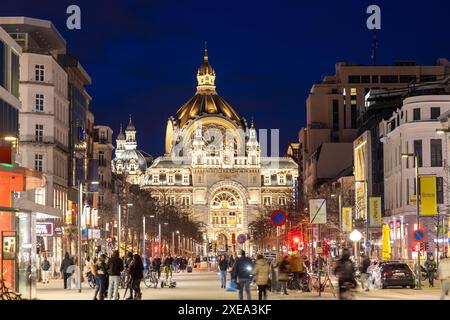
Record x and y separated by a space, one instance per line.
282 201
365 79
39 196
267 200
436 152
375 79
418 151
39 132
354 79
155 178
334 91
39 103
435 112
39 71
389 79
132 167
407 78
171 200
407 191
170 179
440 190
15 74
427 77
416 114
38 162
186 179
267 180
101 158
281 179
335 114
185 200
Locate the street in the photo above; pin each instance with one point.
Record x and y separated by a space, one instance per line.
206 286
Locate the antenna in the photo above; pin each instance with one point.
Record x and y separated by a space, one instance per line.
374 47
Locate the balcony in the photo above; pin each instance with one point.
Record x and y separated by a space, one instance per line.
43 140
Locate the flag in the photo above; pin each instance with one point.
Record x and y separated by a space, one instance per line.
386 250
428 199
346 219
375 211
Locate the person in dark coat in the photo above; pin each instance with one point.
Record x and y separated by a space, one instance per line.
223 267
128 261
115 267
65 264
345 271
156 265
136 270
241 273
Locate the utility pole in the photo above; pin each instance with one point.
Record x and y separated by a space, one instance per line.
143 235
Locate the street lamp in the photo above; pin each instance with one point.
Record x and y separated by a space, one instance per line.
416 165
129 205
356 236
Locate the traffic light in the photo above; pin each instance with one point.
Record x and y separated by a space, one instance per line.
155 249
209 246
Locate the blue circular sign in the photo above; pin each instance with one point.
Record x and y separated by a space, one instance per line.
241 238
419 235
278 217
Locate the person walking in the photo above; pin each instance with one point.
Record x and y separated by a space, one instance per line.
64 269
431 267
114 266
443 272
283 273
137 273
261 272
297 268
223 267
45 267
156 265
168 266
364 270
345 271
100 271
240 273
128 261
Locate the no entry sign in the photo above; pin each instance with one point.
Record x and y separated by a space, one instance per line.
419 235
241 238
278 217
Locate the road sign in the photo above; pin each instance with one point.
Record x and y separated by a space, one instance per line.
241 238
367 244
278 217
419 235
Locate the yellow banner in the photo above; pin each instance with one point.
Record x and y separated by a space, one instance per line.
347 219
375 211
386 243
428 199
69 212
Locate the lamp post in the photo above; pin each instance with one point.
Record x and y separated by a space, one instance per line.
356 236
416 166
129 205
143 235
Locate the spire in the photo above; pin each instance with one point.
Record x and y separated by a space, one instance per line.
120 136
252 125
205 57
130 125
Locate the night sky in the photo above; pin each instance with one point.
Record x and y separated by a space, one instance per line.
143 55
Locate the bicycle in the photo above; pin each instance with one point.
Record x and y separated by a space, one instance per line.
124 280
8 294
325 282
91 279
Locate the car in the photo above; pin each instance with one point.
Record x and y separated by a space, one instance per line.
397 274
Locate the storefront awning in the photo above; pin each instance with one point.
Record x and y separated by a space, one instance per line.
42 212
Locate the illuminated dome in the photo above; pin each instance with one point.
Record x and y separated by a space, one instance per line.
206 100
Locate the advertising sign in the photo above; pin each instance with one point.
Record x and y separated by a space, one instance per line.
94 233
375 211
428 199
44 229
317 211
347 219
9 247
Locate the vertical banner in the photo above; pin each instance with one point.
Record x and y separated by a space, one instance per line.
428 198
375 211
386 243
69 213
347 219
317 211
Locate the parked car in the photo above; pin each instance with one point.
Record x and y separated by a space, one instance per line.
394 273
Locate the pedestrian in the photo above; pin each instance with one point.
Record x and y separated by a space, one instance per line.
168 266
444 276
65 264
364 269
431 267
45 267
114 267
223 267
128 261
87 266
240 273
261 272
136 272
283 273
297 268
345 272
100 277
156 265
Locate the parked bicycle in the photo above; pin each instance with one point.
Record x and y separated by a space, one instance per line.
151 279
8 294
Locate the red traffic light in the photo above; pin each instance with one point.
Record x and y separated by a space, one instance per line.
296 239
155 248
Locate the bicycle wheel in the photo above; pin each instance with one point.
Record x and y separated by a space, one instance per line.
148 281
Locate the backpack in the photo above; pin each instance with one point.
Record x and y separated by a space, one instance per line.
45 265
